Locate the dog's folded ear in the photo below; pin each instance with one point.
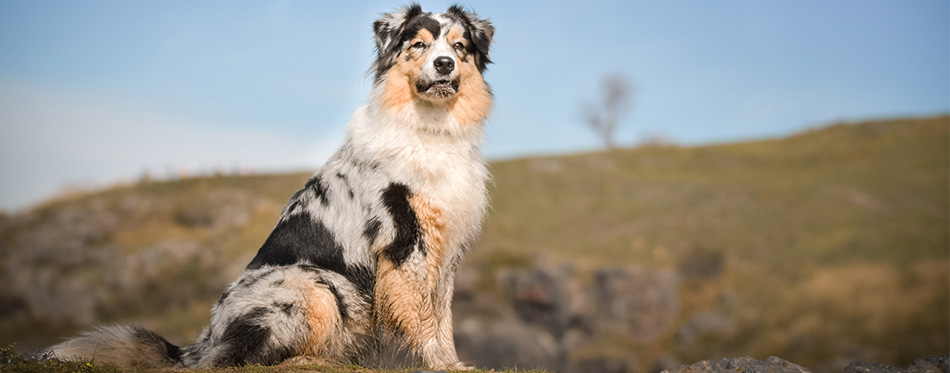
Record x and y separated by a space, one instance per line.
480 31
388 27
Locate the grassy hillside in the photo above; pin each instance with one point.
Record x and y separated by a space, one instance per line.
830 241
821 247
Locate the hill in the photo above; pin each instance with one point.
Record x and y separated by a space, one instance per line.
822 248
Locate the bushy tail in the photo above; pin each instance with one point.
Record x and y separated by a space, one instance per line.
125 346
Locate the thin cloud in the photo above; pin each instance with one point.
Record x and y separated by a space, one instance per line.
51 138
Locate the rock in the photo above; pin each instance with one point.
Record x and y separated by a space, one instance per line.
553 311
539 298
635 302
498 344
936 364
743 364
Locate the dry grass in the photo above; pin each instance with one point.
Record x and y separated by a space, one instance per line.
834 242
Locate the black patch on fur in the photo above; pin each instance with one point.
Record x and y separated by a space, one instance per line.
478 40
205 336
224 296
340 305
286 308
245 341
299 238
363 166
293 205
360 276
417 24
414 21
277 283
384 31
371 230
408 231
149 338
248 281
346 181
319 191
365 280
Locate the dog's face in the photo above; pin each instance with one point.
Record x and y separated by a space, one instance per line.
436 58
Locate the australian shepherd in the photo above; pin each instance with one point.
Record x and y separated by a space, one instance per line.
365 255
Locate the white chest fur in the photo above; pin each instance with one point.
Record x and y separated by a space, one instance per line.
434 157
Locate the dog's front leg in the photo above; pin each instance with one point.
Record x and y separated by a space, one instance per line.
404 310
442 304
413 297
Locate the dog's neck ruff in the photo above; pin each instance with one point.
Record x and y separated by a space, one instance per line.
423 117
432 154
425 138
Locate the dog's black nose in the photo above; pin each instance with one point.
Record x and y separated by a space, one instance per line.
444 65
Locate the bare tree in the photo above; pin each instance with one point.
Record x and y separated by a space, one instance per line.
604 115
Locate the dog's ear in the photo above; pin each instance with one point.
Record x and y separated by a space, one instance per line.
388 27
481 31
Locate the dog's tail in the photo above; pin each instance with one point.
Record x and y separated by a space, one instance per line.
125 346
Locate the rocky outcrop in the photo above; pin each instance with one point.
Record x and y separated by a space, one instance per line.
936 364
559 318
554 318
741 364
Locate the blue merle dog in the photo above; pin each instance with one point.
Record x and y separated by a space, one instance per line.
365 255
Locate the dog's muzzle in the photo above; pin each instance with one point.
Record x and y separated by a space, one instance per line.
441 88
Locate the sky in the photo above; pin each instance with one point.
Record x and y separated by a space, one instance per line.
97 92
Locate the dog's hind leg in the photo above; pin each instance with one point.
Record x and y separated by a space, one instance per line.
290 312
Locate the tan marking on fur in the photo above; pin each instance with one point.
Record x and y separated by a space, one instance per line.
443 314
402 76
411 300
473 102
432 222
425 35
323 316
455 35
437 333
470 106
399 298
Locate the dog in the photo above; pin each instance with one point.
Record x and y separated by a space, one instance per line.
365 255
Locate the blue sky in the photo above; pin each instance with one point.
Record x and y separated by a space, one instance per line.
96 92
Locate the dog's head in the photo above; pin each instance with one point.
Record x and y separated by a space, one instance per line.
434 58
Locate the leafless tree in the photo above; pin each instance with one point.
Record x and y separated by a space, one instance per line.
604 115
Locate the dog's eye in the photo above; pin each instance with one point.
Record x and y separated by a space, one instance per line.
419 45
459 46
